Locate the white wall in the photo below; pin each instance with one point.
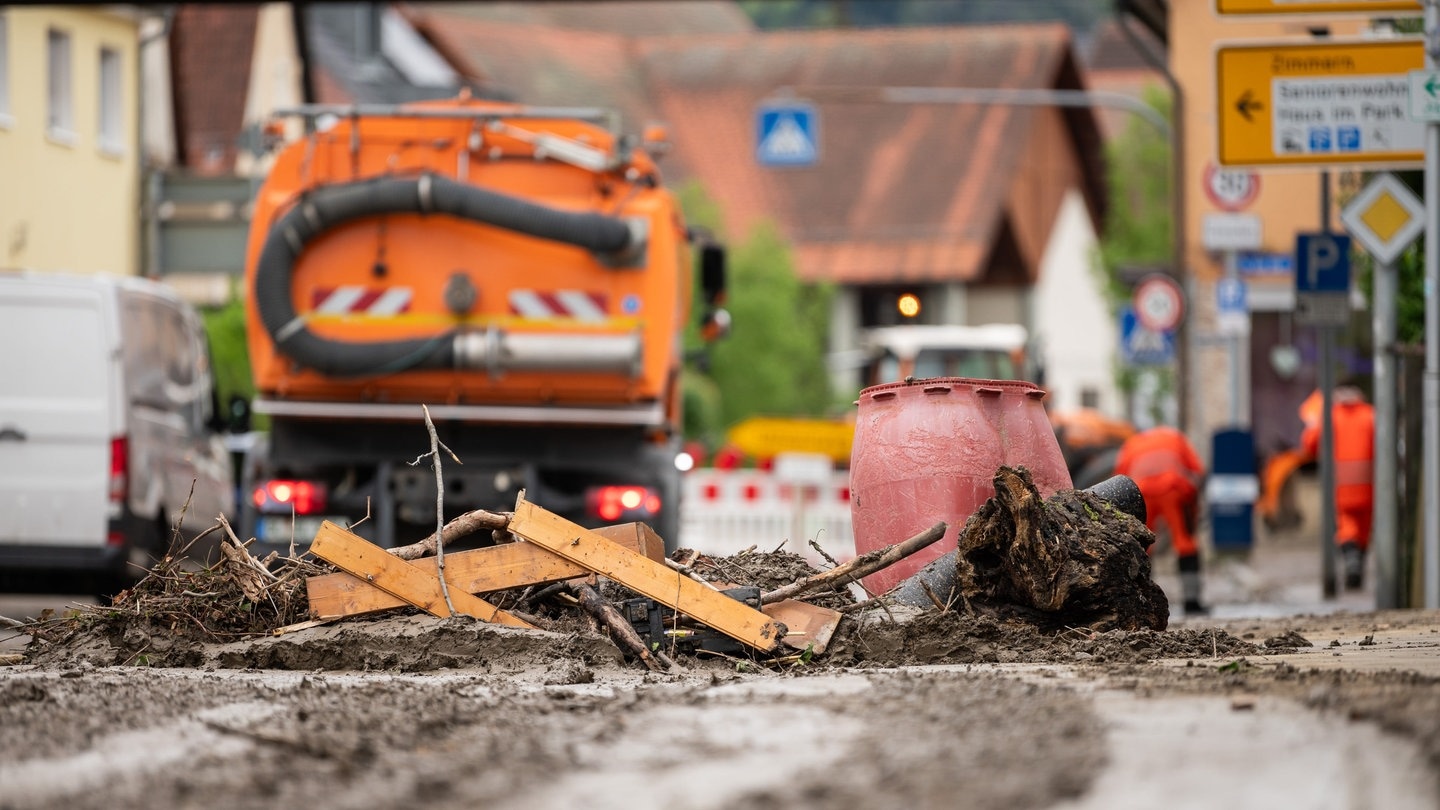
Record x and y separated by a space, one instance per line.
1073 325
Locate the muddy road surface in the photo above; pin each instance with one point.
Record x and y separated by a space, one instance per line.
186 698
913 709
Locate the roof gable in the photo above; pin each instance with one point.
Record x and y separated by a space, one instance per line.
901 191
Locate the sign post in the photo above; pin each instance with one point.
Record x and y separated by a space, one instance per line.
1385 217
1322 284
1230 234
1318 104
1431 396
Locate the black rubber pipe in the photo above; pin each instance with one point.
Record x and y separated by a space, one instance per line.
939 575
331 206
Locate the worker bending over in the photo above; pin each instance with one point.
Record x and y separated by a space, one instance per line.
1353 421
1165 467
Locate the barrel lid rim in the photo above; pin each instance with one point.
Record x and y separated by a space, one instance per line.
1023 386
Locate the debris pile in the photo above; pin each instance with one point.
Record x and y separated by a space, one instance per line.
1063 579
238 597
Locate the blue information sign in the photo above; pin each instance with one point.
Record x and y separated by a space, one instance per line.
787 134
1140 346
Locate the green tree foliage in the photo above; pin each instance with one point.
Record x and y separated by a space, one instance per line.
773 361
228 351
1138 229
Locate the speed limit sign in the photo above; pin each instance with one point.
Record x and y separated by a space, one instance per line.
1231 189
1158 303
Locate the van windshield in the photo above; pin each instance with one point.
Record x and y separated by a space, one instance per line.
986 364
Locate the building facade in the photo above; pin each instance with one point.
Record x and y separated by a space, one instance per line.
69 139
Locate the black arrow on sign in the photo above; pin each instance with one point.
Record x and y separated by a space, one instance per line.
1247 105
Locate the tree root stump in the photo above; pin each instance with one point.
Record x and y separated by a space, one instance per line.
1069 561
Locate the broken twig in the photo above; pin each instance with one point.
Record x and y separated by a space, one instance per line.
862 566
435 445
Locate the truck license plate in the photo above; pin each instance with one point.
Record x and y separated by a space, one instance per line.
278 529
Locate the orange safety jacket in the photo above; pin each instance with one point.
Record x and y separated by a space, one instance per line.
1165 467
1354 425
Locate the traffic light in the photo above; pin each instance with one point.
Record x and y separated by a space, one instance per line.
908 304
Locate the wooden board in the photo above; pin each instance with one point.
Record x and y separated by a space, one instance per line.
645 576
496 568
807 626
356 555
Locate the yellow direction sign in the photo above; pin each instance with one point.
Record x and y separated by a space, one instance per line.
1318 104
1316 6
764 437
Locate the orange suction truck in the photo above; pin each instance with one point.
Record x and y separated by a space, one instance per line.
522 272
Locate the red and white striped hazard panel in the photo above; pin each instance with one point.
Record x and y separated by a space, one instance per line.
357 300
576 304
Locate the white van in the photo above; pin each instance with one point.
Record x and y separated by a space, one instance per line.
107 420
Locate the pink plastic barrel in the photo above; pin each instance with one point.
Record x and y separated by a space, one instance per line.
927 451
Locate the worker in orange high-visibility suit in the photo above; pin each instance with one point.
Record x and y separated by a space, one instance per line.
1165 467
1353 421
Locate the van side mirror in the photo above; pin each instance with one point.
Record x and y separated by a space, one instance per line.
712 274
239 414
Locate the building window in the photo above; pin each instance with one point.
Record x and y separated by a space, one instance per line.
61 120
111 138
1089 397
6 119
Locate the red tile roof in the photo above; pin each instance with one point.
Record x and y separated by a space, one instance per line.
210 57
901 191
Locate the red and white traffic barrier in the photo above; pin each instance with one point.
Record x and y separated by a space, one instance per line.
727 511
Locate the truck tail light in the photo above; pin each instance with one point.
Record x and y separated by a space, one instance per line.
282 495
119 487
611 503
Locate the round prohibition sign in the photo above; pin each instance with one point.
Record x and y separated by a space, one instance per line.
1158 303
1231 189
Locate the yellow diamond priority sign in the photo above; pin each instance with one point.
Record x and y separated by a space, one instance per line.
1385 217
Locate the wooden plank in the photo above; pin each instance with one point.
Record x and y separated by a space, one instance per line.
495 568
806 625
357 556
643 575
637 537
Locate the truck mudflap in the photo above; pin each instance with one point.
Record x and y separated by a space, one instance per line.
618 242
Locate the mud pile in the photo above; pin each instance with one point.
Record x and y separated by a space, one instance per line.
1058 580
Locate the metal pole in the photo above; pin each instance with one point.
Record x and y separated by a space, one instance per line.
1232 348
1430 481
1387 546
1327 426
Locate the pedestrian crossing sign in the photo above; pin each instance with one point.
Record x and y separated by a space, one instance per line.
787 134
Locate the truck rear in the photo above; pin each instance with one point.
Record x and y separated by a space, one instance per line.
520 271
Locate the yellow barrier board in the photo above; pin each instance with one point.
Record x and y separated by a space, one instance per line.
764 437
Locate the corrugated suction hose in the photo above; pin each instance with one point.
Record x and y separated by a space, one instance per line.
330 206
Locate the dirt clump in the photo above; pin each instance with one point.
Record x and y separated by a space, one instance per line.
1072 560
947 637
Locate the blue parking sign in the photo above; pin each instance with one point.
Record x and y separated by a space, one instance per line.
1322 262
787 133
